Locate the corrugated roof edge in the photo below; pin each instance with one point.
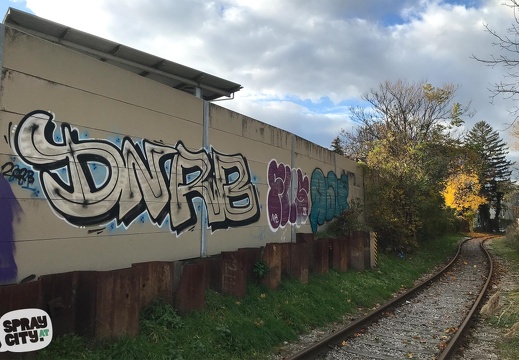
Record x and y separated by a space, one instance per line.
157 69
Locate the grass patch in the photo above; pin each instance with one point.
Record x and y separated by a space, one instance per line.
252 327
509 315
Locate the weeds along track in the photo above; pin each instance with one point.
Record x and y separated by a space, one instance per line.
425 323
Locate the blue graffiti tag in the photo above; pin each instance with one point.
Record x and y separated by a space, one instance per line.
329 197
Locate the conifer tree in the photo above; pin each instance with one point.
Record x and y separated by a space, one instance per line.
494 171
336 146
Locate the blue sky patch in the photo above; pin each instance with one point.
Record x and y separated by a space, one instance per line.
325 105
466 3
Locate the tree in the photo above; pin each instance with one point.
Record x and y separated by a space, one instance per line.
412 114
337 146
462 193
494 171
393 192
404 140
507 57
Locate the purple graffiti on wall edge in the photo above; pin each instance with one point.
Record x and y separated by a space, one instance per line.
9 207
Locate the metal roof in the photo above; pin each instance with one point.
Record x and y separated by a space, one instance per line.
152 67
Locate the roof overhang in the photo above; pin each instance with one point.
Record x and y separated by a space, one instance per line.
172 74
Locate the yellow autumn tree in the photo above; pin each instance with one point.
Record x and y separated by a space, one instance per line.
461 193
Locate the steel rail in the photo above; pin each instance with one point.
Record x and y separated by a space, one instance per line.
465 325
325 344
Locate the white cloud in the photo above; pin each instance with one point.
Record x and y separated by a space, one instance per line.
307 50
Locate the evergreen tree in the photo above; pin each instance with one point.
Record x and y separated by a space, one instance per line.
336 146
494 171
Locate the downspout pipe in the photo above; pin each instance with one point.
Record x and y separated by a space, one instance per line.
205 144
2 36
293 186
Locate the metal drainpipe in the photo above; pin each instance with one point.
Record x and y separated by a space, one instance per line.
335 164
293 187
205 144
2 36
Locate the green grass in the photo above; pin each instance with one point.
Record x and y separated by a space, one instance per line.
253 327
507 248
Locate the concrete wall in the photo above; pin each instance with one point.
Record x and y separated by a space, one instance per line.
103 168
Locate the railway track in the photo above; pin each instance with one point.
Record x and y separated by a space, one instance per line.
424 323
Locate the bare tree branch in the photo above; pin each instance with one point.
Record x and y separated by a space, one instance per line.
507 58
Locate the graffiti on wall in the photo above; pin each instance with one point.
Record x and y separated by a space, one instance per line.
21 175
329 197
94 182
287 199
9 209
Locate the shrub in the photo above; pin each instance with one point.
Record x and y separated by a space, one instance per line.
261 269
351 219
512 236
158 320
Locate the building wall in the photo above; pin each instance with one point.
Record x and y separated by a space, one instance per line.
103 168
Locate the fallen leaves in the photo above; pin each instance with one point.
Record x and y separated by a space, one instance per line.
451 330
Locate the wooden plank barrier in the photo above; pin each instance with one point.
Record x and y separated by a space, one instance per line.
107 304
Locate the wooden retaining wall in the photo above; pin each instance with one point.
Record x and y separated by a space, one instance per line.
107 304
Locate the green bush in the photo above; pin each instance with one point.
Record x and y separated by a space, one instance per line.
349 220
261 269
158 320
512 237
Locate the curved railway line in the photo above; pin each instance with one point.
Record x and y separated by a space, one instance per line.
427 322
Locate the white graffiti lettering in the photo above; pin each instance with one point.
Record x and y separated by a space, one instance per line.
92 182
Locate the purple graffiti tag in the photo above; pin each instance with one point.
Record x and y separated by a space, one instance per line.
9 207
303 189
277 194
287 199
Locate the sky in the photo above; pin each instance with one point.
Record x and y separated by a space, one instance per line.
304 63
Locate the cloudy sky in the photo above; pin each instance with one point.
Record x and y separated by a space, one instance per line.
303 63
